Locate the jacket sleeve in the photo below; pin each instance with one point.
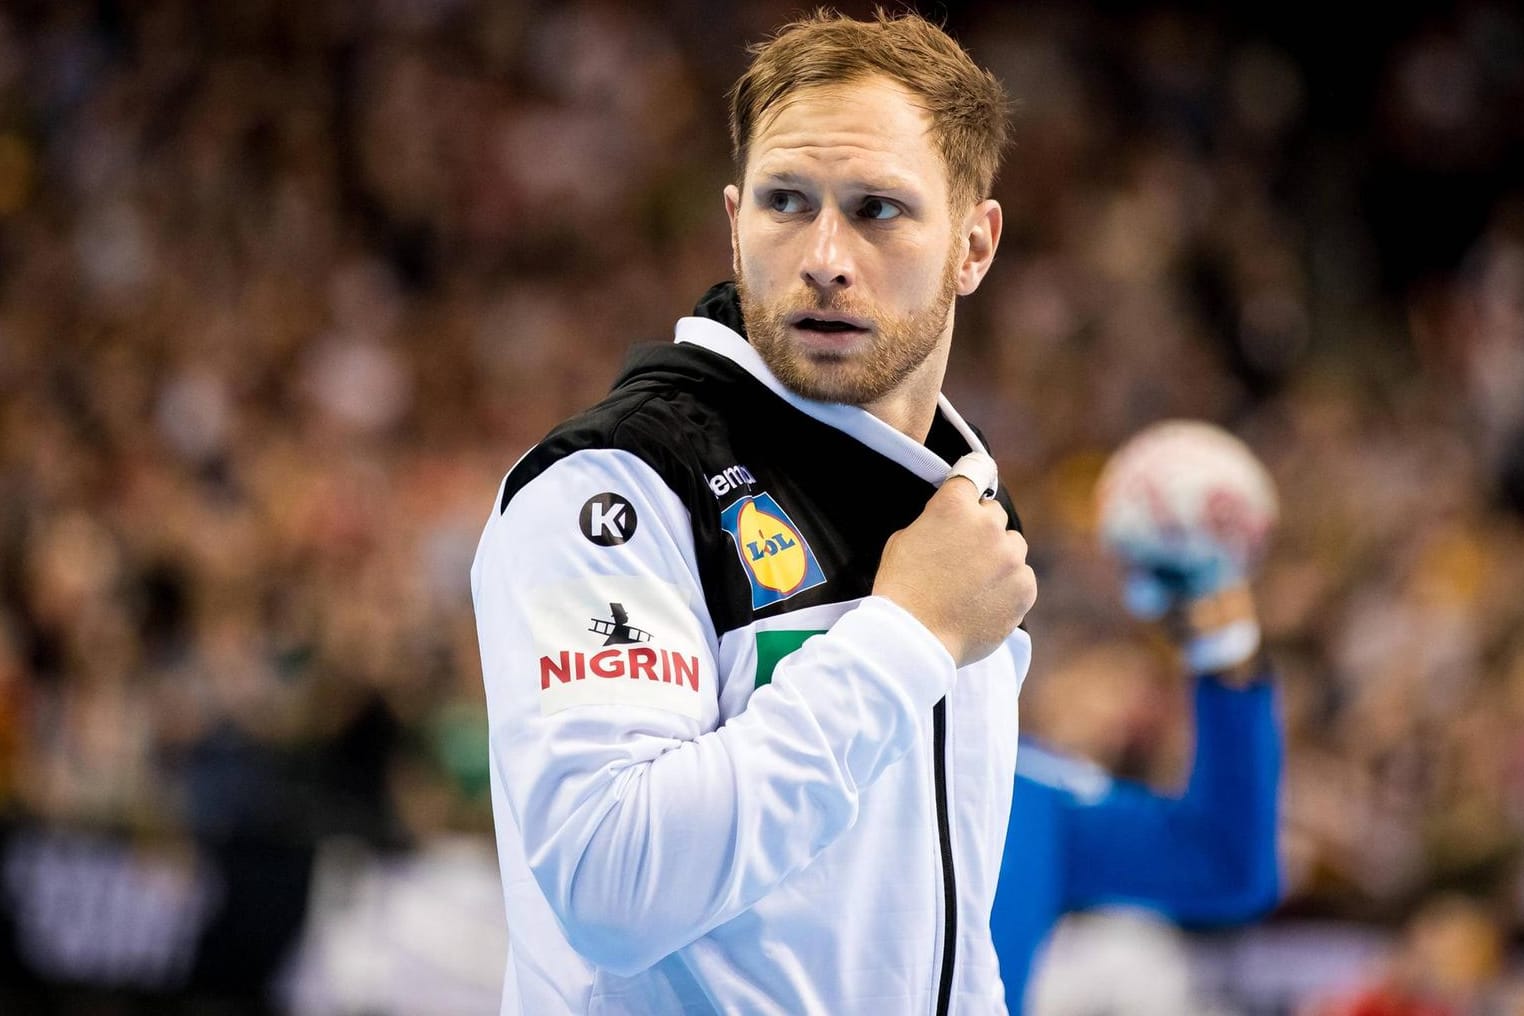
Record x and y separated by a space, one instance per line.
644 821
1208 856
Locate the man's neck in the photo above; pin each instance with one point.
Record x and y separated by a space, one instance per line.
912 407
911 417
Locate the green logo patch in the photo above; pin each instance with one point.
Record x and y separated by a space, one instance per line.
773 646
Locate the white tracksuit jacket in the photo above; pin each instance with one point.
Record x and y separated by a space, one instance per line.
721 777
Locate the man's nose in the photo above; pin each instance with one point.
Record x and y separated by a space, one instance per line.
827 262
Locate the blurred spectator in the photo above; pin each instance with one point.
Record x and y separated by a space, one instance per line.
1449 965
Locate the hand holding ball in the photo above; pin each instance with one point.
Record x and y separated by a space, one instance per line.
1188 509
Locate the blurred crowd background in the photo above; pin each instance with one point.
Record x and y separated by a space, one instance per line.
287 285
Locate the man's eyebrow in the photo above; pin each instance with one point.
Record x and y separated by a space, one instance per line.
889 183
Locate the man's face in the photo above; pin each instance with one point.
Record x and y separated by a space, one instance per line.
846 251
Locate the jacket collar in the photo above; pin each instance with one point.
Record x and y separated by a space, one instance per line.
717 327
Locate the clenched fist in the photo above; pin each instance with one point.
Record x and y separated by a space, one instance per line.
960 571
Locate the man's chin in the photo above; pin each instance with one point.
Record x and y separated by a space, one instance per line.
823 374
824 378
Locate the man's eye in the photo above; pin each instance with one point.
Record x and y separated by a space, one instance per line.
786 202
878 208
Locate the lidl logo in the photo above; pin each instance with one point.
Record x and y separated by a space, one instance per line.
776 558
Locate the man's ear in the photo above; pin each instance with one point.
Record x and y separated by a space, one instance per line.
732 206
981 231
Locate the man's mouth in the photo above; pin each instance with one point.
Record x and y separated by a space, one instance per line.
832 324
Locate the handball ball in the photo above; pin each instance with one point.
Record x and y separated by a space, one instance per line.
1188 496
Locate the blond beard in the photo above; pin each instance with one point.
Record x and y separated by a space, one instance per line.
899 346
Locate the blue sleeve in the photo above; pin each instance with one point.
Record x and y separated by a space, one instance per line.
1206 857
1078 838
1029 896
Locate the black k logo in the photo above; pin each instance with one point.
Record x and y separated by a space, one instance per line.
607 519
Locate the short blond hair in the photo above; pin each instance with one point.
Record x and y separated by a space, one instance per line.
967 105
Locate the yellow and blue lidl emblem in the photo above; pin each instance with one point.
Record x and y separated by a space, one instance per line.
775 557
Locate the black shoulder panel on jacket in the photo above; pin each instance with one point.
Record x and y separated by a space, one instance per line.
658 402
666 410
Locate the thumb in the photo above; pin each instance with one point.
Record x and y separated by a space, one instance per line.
978 469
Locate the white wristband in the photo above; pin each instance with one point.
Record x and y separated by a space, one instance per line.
1223 648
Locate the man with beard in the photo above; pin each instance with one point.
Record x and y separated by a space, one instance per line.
749 626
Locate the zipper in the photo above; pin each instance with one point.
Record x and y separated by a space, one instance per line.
949 880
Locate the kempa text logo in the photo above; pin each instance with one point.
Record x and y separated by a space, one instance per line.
730 478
